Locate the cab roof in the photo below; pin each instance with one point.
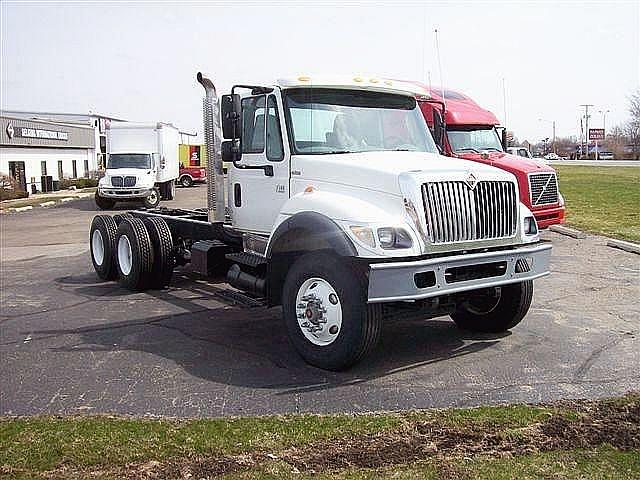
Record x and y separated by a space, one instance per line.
360 82
461 109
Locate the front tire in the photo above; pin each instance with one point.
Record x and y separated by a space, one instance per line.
326 313
104 203
153 199
495 310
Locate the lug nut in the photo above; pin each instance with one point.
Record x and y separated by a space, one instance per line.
333 298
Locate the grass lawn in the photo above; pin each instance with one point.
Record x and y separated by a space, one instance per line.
602 200
590 440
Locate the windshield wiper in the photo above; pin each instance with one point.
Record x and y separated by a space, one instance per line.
332 152
465 149
494 149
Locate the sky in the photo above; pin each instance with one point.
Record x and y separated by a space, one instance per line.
138 60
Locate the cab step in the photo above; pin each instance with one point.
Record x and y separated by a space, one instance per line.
247 259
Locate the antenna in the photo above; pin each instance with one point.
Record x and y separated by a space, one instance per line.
504 101
444 101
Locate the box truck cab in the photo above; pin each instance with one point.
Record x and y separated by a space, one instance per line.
471 133
142 164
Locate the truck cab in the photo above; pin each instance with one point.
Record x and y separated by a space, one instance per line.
472 133
337 206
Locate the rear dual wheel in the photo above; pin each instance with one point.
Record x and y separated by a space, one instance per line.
102 240
139 253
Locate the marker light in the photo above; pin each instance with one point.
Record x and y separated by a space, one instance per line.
365 235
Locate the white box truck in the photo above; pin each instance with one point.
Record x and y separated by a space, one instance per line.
142 164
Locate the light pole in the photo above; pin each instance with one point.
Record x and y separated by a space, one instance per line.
553 141
604 120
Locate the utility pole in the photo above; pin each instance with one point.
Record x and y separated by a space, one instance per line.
586 127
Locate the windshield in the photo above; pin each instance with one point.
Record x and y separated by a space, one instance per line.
129 160
474 140
327 120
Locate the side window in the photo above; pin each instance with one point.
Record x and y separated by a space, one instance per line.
274 135
253 124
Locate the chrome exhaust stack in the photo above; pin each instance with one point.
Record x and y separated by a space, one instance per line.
213 141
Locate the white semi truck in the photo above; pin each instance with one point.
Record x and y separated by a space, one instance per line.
340 209
142 164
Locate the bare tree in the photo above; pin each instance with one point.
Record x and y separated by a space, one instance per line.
632 127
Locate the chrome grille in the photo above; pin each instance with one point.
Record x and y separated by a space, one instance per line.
116 181
457 213
129 181
543 188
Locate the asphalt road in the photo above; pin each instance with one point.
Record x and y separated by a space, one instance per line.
70 343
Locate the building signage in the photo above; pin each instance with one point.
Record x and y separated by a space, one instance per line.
37 133
596 134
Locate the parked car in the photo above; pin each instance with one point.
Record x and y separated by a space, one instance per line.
605 155
191 175
551 156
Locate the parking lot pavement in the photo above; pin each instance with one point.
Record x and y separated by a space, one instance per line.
70 343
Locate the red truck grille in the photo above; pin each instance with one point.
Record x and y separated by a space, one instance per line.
543 188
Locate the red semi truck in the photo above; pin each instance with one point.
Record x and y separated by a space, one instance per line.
471 132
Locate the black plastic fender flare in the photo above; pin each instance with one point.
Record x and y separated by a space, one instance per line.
322 228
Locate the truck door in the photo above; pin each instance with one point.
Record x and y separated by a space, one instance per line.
255 197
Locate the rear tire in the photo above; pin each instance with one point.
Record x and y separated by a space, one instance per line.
356 324
153 199
134 254
186 181
489 313
104 203
118 217
102 240
163 255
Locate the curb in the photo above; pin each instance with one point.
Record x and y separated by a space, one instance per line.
570 232
22 209
622 245
47 204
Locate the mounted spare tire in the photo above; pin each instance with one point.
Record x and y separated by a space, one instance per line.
102 240
134 255
163 254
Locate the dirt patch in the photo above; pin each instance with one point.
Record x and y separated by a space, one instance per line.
587 425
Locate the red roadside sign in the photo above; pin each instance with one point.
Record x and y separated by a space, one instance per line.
596 134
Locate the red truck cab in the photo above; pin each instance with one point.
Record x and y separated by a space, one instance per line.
190 175
471 133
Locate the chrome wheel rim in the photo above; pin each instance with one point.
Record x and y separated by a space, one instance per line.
97 247
124 255
318 311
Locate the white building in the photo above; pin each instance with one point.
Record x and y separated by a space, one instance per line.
34 145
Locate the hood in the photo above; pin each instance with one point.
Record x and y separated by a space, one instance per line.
381 170
511 163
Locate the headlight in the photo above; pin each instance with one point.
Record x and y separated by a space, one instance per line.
391 237
530 226
365 235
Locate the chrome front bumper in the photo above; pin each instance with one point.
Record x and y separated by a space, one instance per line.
398 281
124 192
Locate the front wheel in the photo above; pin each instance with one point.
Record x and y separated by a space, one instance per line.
104 203
153 199
326 312
494 310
